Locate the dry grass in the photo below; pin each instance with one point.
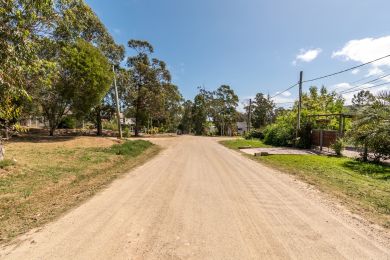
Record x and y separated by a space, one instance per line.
48 176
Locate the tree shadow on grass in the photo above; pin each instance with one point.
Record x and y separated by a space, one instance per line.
374 170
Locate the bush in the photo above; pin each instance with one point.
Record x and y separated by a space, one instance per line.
6 163
279 134
126 132
67 122
110 125
338 146
254 134
130 148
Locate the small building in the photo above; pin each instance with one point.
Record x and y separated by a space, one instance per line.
242 128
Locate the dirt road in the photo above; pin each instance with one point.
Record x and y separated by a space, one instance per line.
199 200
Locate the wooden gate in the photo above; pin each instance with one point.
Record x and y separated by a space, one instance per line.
324 138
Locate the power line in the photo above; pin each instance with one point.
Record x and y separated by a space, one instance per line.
341 92
296 84
282 103
367 77
349 69
386 83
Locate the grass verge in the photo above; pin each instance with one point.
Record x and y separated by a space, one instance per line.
240 142
362 187
49 178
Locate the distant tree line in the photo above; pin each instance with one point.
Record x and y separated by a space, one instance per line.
211 112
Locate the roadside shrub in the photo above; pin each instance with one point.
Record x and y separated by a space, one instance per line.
130 148
254 134
6 163
126 132
110 125
279 134
338 146
67 122
371 130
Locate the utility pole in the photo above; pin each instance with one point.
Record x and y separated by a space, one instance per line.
118 113
249 115
299 102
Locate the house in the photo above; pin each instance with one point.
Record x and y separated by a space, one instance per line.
242 128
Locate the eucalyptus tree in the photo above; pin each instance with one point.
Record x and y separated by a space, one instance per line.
149 76
186 122
224 109
262 111
22 22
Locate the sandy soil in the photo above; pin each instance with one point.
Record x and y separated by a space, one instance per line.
199 200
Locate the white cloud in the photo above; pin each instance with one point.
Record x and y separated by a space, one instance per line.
117 31
285 99
355 71
374 71
365 50
348 96
307 55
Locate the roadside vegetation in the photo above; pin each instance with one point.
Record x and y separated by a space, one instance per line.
363 187
240 143
43 177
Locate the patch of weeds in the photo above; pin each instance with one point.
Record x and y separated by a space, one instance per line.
6 163
129 148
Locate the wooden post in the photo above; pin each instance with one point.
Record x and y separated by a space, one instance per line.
249 116
118 114
299 102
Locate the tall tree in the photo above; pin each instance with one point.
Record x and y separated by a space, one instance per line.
149 75
262 111
371 129
361 99
186 122
224 109
83 76
199 114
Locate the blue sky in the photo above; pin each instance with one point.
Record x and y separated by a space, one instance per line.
256 45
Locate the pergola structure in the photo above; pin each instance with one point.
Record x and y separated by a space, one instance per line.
341 119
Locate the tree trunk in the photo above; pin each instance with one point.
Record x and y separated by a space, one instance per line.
137 113
99 125
365 153
2 151
51 131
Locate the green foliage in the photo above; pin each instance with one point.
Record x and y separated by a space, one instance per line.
283 131
199 114
257 134
88 75
130 148
338 146
279 134
111 125
6 163
361 184
151 94
223 105
186 122
262 111
371 129
68 122
126 132
238 143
